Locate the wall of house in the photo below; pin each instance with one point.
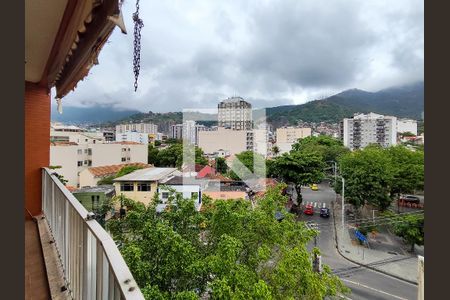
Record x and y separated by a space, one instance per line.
113 154
37 142
66 156
86 199
87 178
144 197
186 191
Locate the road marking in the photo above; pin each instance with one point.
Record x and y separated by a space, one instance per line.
373 289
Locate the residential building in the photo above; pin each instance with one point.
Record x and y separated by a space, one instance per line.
371 128
261 142
93 198
186 186
70 133
188 131
74 158
235 113
141 185
176 131
91 175
148 128
287 136
407 125
63 40
132 136
109 135
233 141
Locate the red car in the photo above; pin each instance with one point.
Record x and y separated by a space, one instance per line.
309 210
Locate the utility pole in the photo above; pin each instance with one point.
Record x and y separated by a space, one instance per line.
343 203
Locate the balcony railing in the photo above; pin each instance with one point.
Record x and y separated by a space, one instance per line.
92 264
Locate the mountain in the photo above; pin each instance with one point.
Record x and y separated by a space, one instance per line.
403 101
89 115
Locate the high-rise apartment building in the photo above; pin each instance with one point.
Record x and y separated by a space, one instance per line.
189 131
148 128
235 113
365 129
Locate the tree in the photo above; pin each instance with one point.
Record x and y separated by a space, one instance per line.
408 170
410 227
59 176
221 165
249 159
275 150
123 171
368 175
329 148
298 168
153 154
157 143
228 251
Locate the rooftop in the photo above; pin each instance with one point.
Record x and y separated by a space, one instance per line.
113 169
180 180
148 174
62 143
95 189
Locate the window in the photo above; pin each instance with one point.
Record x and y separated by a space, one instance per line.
194 195
129 149
165 195
124 159
85 151
126 187
95 202
86 140
85 162
144 187
128 158
79 151
89 162
124 149
89 151
80 163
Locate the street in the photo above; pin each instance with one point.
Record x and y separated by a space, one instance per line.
364 283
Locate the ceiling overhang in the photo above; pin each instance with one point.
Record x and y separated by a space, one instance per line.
83 29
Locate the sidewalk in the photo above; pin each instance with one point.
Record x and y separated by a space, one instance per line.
400 266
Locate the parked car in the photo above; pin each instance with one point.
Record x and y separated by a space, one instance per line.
309 210
410 199
314 187
325 212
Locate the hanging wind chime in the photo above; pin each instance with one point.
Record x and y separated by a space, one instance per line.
138 24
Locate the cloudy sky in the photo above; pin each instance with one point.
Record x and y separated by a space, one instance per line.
196 53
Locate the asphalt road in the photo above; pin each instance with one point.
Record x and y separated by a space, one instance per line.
364 283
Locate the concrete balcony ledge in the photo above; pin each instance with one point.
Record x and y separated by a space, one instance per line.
53 267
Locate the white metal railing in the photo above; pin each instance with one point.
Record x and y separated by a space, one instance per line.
93 266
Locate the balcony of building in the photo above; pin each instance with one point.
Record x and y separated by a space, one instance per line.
69 255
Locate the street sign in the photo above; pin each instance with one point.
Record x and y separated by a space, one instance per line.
360 236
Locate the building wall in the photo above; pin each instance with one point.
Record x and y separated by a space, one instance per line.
136 137
186 191
406 125
138 127
68 156
235 141
292 134
37 144
144 197
87 178
86 199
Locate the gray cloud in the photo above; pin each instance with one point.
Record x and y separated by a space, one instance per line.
270 52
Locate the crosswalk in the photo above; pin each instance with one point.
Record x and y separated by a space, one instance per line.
315 204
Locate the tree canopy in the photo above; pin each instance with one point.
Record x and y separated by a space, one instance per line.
375 175
329 148
172 156
228 251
